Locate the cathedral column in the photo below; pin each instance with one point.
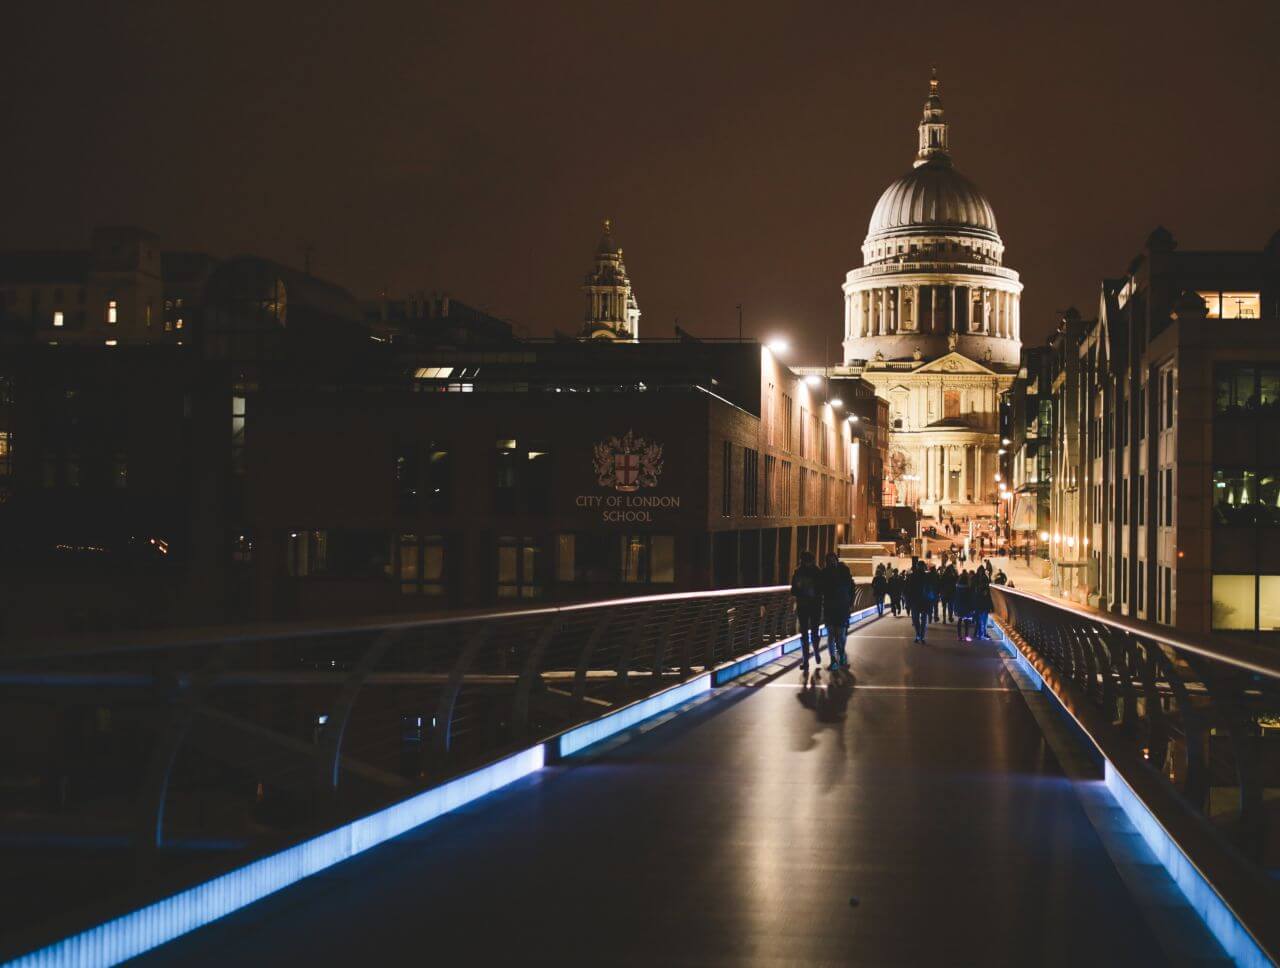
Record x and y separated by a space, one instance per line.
977 473
986 310
966 492
1017 319
930 475
946 473
933 309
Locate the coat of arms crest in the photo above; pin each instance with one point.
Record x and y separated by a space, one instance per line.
627 463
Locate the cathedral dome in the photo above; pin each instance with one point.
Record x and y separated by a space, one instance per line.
933 197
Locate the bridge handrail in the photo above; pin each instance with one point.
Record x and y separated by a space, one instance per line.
159 639
1174 715
1260 659
262 735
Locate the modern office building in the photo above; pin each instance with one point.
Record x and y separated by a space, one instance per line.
1170 509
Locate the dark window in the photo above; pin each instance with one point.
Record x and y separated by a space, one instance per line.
523 476
750 482
770 473
338 554
726 482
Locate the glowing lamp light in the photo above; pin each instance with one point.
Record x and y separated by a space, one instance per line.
853 418
813 379
1071 542
1006 441
1001 451
778 346
836 402
997 477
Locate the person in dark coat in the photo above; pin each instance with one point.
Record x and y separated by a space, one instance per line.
963 604
806 589
879 586
918 590
837 600
981 602
896 582
947 592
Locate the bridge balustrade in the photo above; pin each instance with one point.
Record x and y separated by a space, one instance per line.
1188 725
141 764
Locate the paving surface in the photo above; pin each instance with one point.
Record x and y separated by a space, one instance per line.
909 815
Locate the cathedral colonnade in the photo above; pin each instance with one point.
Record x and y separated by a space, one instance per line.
933 308
952 473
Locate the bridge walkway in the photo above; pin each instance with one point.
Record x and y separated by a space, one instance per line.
909 814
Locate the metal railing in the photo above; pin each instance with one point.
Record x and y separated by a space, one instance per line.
134 766
1191 724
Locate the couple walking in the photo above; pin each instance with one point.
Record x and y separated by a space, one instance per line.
823 596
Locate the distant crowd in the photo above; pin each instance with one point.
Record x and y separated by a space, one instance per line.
946 592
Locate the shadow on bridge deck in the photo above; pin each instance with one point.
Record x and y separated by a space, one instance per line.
739 832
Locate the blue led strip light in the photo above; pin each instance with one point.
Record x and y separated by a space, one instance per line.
132 934
1200 894
583 736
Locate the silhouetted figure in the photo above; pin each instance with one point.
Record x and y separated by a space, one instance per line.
837 600
806 588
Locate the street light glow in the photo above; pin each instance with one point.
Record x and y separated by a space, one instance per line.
837 402
778 346
813 379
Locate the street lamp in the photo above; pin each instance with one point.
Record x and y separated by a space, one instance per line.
836 402
813 379
778 346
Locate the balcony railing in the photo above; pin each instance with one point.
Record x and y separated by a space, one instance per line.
1191 725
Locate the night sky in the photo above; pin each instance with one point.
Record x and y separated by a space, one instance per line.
472 148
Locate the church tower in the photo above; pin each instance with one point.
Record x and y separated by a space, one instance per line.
611 310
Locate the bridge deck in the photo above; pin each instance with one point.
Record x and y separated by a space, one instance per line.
738 833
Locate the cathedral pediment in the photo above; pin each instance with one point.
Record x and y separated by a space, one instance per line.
955 363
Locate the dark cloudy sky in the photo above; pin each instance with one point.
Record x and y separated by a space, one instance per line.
473 147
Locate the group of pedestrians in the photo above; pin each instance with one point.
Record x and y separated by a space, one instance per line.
824 596
927 592
931 594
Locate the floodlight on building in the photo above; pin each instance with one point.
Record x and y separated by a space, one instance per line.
1071 542
1044 535
1001 452
813 379
1006 441
836 402
997 477
853 418
778 346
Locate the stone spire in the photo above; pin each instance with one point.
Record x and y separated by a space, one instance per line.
933 127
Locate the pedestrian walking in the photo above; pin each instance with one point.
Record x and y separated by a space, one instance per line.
837 600
963 605
879 587
918 591
895 591
981 602
806 588
947 592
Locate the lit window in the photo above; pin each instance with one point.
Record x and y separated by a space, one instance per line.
420 564
57 317
1234 601
6 453
518 567
433 373
113 312
1232 305
111 342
